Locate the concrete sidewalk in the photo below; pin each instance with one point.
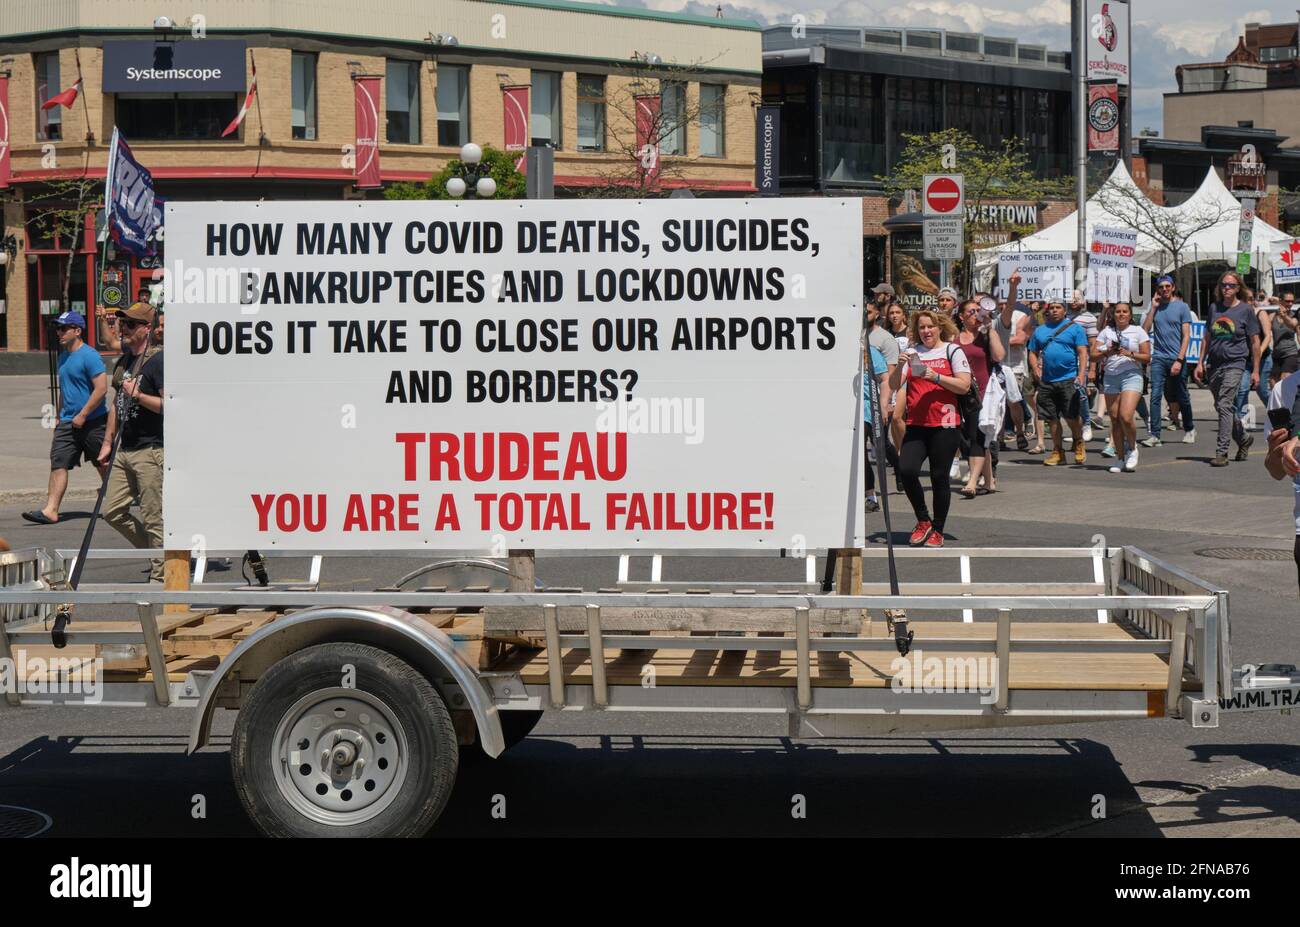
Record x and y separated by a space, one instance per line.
25 451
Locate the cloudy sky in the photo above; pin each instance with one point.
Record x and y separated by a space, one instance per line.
1166 33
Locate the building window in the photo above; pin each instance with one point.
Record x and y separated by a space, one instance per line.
672 118
591 113
176 116
453 105
49 122
402 101
713 117
303 106
545 123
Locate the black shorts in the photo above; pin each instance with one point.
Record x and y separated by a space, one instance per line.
1290 365
1058 400
70 444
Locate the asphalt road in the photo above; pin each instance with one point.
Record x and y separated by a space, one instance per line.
110 771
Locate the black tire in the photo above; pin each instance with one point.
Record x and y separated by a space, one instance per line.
417 709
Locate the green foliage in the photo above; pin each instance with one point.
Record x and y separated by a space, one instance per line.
501 168
989 174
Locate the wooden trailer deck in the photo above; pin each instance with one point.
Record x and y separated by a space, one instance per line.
873 669
197 640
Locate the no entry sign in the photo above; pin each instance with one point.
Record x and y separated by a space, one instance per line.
942 195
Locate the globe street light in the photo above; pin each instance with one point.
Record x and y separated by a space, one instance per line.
472 177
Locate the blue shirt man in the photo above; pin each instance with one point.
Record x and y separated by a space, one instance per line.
83 414
77 371
1169 322
1059 353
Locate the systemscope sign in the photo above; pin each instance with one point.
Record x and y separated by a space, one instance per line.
529 374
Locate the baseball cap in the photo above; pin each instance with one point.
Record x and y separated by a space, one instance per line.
72 318
949 292
1163 279
883 288
140 312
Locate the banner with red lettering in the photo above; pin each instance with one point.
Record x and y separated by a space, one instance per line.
1103 117
514 103
366 98
545 374
4 131
648 130
1110 264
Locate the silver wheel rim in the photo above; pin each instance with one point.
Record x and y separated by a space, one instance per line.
340 756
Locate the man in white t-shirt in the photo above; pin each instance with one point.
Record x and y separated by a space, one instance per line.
1283 458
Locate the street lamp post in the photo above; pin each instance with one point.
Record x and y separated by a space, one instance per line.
472 180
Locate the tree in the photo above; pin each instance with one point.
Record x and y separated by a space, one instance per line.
989 174
500 167
630 96
1170 229
61 207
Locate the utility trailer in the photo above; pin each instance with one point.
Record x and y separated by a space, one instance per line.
354 706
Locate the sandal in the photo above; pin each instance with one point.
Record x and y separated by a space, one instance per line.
968 493
1022 443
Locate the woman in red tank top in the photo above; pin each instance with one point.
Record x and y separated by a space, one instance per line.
932 375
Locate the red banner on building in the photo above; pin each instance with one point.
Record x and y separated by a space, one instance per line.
366 96
647 140
4 131
514 103
1103 117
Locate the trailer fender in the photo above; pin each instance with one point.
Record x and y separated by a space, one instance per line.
426 648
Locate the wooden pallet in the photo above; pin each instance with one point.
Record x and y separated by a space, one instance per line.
1056 671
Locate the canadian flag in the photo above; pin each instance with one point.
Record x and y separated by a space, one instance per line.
66 98
1292 254
248 101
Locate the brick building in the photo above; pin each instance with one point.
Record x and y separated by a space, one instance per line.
443 70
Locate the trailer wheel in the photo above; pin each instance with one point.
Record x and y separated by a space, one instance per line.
313 758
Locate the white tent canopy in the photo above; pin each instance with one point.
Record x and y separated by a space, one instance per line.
1217 243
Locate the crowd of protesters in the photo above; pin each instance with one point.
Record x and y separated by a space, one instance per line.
962 380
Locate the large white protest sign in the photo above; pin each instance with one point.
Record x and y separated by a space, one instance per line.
1043 274
1110 264
541 374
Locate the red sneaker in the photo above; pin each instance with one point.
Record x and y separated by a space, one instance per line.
935 539
922 531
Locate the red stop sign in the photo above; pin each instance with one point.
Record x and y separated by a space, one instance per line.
943 194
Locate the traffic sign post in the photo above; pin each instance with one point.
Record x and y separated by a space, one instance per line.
1245 234
943 205
943 239
943 195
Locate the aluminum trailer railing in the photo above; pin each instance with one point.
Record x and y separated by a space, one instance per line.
1165 612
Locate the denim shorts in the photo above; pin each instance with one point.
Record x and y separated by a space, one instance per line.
1123 383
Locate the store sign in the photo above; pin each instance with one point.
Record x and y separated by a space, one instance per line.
1246 173
546 374
183 66
767 159
1103 117
1043 274
1108 41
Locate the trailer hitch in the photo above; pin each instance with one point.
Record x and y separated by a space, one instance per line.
59 633
896 619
